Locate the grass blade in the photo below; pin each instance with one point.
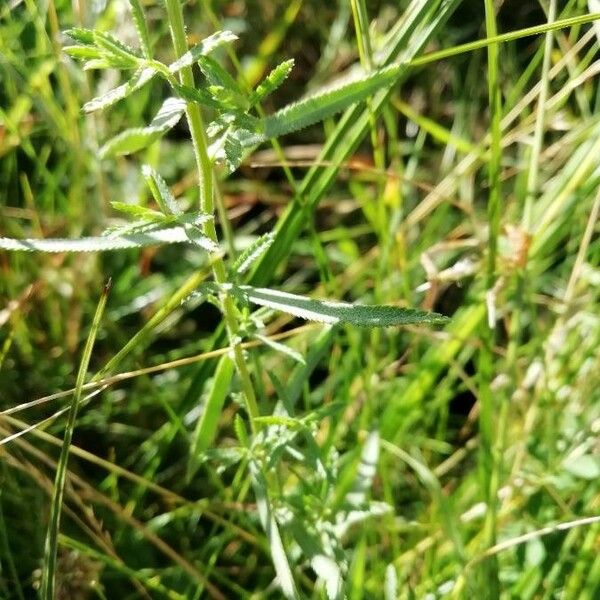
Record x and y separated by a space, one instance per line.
206 428
50 549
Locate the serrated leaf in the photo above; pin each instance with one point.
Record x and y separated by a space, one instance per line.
135 210
240 431
217 75
325 311
252 253
272 81
81 34
140 78
197 95
132 140
97 244
206 46
228 99
160 191
320 106
280 420
137 12
199 239
234 153
113 48
229 147
82 52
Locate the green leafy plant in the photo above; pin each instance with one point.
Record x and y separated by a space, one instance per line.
252 461
233 130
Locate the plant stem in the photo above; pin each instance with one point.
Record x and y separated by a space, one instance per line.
206 177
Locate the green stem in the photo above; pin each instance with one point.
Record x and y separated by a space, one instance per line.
206 178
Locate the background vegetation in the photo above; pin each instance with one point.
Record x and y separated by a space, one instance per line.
448 461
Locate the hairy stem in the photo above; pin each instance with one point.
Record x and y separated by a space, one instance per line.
207 194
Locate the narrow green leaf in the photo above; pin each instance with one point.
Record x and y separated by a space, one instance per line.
97 244
105 63
279 347
326 104
280 421
206 46
206 428
325 311
197 237
240 431
112 47
157 223
272 81
82 35
160 191
197 95
50 549
132 140
82 52
135 210
217 75
140 78
228 99
252 253
141 27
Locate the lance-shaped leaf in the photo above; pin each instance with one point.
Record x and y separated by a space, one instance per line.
272 81
252 253
81 35
140 78
141 27
132 140
218 76
97 244
320 106
206 427
160 191
113 48
205 47
326 311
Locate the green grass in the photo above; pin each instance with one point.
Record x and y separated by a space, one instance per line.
220 446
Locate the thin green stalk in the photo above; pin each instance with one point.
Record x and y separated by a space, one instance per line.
538 137
48 587
495 145
491 441
206 179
